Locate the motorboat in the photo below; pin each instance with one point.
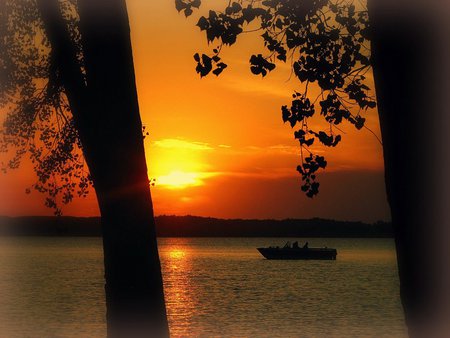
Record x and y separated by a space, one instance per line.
296 252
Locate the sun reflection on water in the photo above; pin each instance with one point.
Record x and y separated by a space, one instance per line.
177 254
177 271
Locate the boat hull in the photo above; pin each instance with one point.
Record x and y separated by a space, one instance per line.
300 253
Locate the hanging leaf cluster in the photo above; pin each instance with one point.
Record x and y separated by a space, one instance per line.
326 42
36 118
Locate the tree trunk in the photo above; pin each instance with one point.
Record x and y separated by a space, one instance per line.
404 56
107 117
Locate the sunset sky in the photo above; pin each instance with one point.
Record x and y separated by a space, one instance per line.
218 146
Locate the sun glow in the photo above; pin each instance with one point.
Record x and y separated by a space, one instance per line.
178 179
178 164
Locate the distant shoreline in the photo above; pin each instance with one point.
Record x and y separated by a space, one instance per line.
194 226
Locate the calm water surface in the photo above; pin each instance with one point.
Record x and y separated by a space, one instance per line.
215 287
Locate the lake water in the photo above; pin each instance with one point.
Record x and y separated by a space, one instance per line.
215 287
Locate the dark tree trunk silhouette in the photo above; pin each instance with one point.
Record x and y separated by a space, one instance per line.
403 51
105 109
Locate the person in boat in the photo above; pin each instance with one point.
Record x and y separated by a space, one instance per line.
295 245
305 246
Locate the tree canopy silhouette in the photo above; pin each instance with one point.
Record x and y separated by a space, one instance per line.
326 44
39 121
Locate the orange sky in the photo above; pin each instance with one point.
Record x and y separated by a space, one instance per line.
217 146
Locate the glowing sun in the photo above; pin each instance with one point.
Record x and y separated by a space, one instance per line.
178 179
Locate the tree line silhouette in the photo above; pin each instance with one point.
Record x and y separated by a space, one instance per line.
194 226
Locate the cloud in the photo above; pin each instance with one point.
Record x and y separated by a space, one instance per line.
181 144
182 180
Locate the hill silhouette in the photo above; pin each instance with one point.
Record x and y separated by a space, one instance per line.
194 226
